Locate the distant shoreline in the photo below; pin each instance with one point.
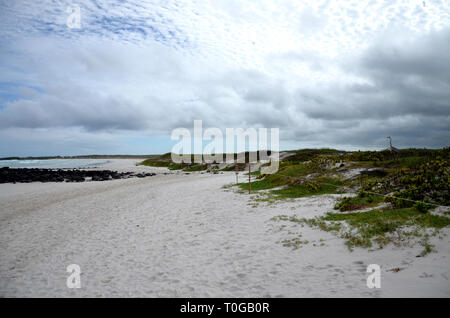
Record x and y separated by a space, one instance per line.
155 156
82 157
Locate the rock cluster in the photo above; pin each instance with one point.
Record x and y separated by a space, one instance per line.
26 175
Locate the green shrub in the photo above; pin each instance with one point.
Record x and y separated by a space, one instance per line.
422 207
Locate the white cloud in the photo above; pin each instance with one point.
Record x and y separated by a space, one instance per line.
319 70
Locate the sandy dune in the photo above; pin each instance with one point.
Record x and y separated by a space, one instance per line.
183 235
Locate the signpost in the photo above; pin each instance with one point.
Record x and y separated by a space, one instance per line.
249 173
241 167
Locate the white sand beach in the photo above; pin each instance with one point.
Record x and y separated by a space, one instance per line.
181 235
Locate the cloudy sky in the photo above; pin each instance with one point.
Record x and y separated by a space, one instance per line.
341 74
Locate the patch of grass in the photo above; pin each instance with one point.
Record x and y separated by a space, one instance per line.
383 226
257 185
427 247
295 242
422 207
390 162
318 187
196 168
229 168
155 163
386 220
175 166
386 158
409 162
308 154
165 160
314 222
254 173
361 201
287 175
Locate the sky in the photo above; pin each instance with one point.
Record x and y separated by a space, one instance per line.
339 74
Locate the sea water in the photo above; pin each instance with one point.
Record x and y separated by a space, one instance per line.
54 163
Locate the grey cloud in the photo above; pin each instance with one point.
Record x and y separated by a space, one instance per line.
80 108
371 133
101 83
401 79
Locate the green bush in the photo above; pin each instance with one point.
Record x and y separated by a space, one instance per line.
422 207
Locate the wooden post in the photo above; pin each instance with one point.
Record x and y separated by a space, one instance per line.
236 171
249 172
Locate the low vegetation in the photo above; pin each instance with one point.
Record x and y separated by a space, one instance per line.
379 227
294 180
359 202
408 185
165 160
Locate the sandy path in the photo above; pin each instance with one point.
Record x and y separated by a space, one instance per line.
183 235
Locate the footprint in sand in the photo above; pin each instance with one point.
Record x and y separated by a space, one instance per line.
361 266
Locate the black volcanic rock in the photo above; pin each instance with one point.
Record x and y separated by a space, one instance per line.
27 175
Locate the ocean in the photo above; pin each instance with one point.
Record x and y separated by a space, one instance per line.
54 163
